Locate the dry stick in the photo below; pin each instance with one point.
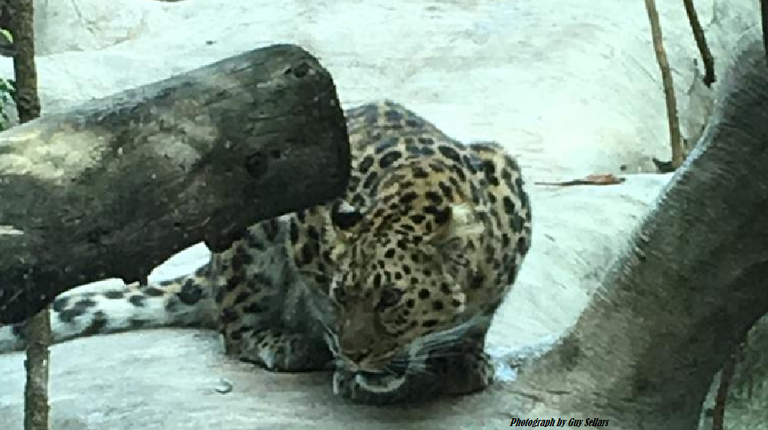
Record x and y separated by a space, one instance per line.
675 139
701 43
38 328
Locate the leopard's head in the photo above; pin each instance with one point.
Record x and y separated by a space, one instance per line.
396 267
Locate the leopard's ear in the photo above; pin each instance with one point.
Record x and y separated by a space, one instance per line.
344 219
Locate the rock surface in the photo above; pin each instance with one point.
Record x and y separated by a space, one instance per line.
570 87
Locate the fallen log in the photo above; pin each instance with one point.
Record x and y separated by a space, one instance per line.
116 186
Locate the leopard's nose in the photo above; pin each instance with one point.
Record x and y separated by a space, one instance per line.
357 356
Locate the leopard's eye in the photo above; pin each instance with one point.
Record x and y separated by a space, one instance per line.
389 297
344 216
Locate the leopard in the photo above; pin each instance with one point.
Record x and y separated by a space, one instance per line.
391 287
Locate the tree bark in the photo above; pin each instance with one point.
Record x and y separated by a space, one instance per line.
116 186
688 288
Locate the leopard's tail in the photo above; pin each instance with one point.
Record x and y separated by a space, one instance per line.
185 301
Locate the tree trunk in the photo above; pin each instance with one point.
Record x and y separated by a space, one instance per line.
688 288
116 186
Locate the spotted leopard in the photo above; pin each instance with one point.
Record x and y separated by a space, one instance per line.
393 286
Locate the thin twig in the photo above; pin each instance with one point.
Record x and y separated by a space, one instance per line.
726 375
675 139
701 43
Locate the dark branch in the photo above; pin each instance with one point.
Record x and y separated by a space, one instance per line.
701 43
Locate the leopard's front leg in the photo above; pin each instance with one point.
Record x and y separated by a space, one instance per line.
256 285
281 351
